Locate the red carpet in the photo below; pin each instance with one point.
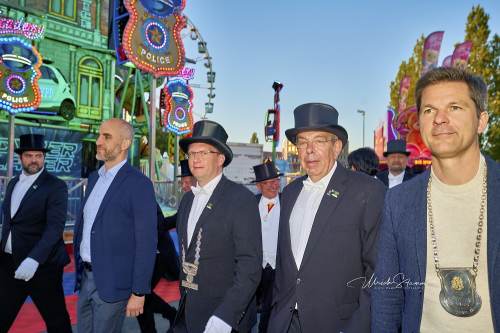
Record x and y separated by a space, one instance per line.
29 320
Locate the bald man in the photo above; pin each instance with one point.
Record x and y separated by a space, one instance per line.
115 236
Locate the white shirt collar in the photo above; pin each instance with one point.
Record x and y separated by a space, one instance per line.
323 182
273 200
33 177
400 176
209 187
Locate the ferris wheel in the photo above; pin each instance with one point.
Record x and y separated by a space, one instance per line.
198 72
202 62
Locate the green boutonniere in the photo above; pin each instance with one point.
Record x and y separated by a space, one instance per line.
209 205
333 193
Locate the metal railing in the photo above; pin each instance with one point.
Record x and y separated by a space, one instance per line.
165 195
164 191
76 190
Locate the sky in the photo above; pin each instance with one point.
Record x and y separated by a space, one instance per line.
343 53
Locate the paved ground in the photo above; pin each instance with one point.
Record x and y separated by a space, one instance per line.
130 325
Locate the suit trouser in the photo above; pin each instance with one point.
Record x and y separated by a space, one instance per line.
45 289
295 323
265 297
96 315
154 303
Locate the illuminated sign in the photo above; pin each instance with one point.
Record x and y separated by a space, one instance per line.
422 162
187 73
407 127
151 39
64 158
19 73
9 26
179 101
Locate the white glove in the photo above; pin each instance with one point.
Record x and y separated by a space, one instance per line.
217 325
26 270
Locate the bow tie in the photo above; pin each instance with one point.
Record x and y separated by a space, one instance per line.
310 186
198 190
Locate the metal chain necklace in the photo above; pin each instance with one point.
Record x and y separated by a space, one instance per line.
458 294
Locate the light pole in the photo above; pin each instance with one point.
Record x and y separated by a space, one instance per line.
363 113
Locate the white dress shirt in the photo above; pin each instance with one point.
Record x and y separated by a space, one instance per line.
270 221
92 206
201 196
304 211
22 186
217 325
395 180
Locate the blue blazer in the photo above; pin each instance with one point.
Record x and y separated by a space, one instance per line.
402 248
123 237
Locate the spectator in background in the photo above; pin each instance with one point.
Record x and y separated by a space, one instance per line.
187 179
267 179
364 160
397 160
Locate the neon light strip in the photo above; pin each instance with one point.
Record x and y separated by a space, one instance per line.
165 37
390 126
180 95
14 57
32 31
12 90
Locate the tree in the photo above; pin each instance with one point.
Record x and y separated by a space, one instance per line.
411 68
483 60
492 135
254 138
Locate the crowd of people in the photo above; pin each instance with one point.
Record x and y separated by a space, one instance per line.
339 250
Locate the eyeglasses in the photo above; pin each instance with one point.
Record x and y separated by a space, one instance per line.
202 154
316 143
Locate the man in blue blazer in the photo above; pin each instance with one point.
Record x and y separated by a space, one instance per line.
438 267
115 237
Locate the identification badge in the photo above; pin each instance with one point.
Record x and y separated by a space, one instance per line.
458 294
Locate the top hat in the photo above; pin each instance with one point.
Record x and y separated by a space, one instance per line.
209 132
265 171
29 142
319 117
185 172
396 147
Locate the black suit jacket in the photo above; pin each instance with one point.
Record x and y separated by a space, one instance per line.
384 176
168 256
230 258
340 249
38 225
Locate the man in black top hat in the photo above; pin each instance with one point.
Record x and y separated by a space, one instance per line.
187 179
397 159
328 227
267 180
219 239
32 253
